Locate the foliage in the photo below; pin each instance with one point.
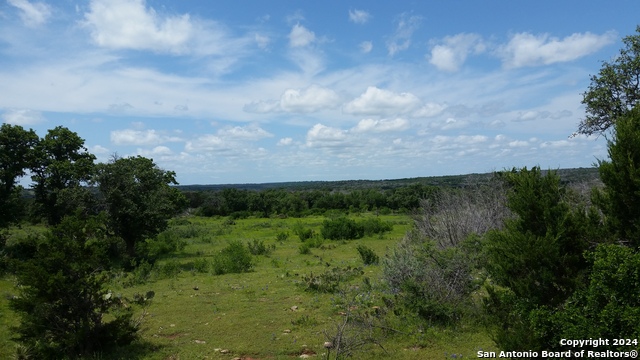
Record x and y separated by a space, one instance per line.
62 164
138 198
303 233
373 225
257 247
368 256
341 228
615 90
330 280
435 283
608 308
620 198
62 299
536 260
16 155
235 258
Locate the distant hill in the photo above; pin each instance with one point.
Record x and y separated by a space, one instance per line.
567 176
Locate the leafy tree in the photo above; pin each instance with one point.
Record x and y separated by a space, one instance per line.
62 299
62 164
615 90
620 198
139 199
16 155
536 260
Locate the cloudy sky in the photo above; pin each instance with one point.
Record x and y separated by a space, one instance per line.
267 91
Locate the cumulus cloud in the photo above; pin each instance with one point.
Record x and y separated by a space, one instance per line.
300 36
383 125
131 24
285 141
366 46
359 16
140 137
312 99
525 49
452 52
32 14
429 110
324 136
22 117
249 132
375 101
406 25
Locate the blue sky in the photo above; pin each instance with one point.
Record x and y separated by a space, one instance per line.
268 91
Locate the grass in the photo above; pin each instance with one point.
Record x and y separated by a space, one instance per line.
263 314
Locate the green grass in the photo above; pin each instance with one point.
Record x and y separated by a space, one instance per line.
263 314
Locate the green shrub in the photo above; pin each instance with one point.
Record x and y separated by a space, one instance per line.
235 258
257 247
304 249
303 233
374 226
63 301
330 280
282 236
341 228
368 256
201 265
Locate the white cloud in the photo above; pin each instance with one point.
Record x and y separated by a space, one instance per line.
250 132
23 117
453 51
300 36
311 99
99 150
140 137
324 136
129 24
526 49
366 46
32 14
359 16
429 110
375 101
262 41
383 125
401 39
285 141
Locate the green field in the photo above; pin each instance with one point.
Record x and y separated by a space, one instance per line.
265 313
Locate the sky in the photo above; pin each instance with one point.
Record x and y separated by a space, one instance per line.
253 91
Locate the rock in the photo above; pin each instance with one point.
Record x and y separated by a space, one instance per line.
294 308
328 345
199 341
224 351
287 331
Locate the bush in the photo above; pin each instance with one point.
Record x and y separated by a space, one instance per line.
303 233
374 226
368 256
257 247
341 228
63 301
282 236
235 258
331 280
434 283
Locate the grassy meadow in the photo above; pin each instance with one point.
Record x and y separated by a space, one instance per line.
266 313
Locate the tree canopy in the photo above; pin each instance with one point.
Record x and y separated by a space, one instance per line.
615 90
139 198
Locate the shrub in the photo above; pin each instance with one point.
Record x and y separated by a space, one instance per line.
374 226
341 228
303 233
434 283
257 247
330 280
235 258
282 236
63 301
368 256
